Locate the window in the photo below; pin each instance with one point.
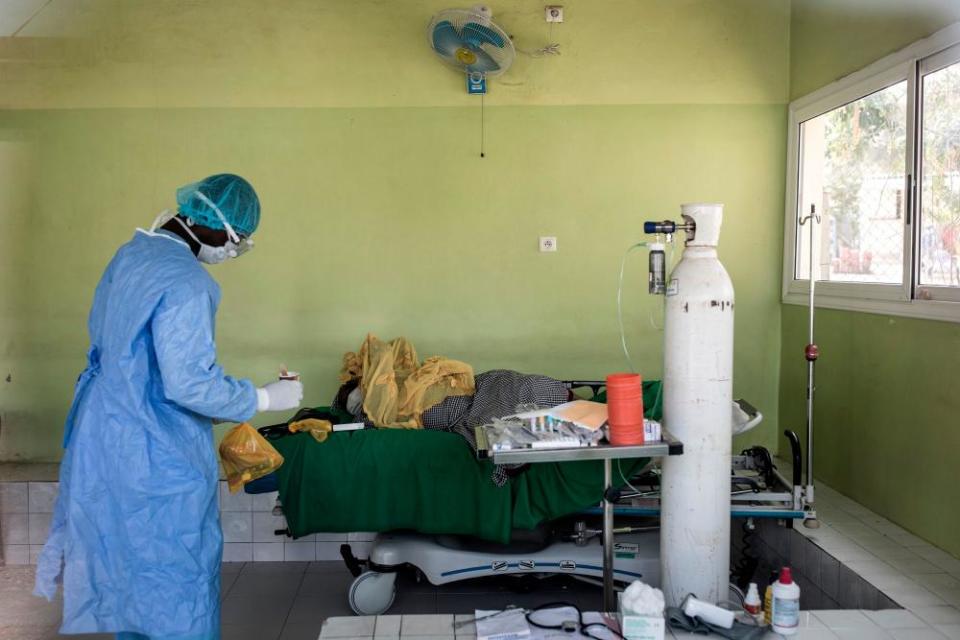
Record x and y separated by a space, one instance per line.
940 175
853 173
876 156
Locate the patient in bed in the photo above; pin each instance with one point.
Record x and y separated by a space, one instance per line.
455 399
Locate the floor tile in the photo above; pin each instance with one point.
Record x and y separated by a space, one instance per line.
275 567
250 631
255 609
14 497
22 608
326 566
300 632
805 634
914 597
31 632
267 552
914 565
226 582
350 627
237 552
951 631
810 621
916 634
387 627
850 553
408 602
906 539
42 496
315 609
845 620
870 568
895 619
267 583
239 501
938 615
331 585
14 529
854 634
937 582
300 551
428 625
462 603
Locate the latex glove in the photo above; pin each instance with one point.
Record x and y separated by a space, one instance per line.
281 395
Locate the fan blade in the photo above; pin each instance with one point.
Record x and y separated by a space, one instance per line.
446 40
477 34
484 63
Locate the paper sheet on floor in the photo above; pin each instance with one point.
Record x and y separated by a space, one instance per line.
514 622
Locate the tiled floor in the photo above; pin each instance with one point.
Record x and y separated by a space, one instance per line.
913 573
289 600
814 625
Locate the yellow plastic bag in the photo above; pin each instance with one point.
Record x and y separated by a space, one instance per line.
435 380
396 388
319 429
246 456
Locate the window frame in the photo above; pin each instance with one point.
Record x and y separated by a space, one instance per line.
907 298
930 64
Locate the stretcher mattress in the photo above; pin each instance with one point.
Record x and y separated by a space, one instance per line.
427 481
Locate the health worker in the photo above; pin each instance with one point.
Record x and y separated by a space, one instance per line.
135 537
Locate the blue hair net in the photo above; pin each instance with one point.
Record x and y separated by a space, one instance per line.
233 195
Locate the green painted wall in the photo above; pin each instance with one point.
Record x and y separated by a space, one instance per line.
379 214
833 38
886 415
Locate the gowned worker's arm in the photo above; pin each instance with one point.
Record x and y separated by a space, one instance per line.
183 340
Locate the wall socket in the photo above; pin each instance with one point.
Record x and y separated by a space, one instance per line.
548 243
553 13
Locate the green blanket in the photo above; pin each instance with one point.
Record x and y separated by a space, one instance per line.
427 481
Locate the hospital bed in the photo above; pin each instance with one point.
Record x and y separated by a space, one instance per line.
439 514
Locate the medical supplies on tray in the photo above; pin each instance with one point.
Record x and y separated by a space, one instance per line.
573 424
539 432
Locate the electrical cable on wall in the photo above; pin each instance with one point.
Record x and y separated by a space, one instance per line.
552 49
481 126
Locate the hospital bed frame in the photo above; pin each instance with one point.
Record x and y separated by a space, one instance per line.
758 490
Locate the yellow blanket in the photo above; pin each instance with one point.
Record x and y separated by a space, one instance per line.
396 387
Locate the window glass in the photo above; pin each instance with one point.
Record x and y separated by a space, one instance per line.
940 179
852 170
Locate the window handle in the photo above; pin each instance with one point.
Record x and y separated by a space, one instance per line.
908 201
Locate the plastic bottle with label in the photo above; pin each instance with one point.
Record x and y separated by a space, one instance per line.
751 603
785 609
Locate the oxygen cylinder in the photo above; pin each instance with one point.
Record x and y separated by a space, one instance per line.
697 396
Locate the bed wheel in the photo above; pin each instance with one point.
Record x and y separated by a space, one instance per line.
372 593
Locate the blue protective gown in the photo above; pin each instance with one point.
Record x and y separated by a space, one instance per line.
136 521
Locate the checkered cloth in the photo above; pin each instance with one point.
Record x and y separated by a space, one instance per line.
498 394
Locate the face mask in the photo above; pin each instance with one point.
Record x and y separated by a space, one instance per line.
234 247
209 254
